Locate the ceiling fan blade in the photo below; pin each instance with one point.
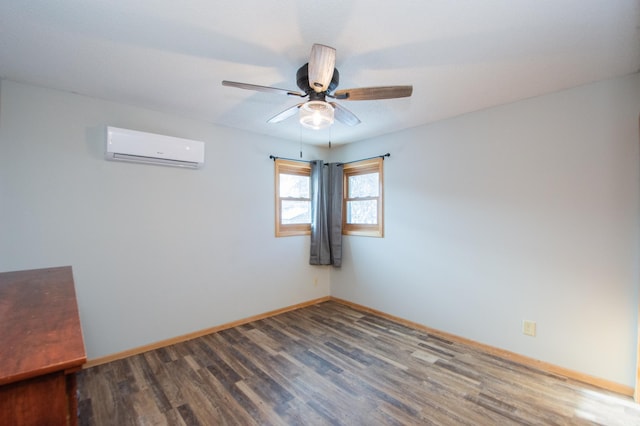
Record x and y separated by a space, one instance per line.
285 114
372 93
322 62
345 116
262 88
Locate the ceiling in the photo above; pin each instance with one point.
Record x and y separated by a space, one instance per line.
460 56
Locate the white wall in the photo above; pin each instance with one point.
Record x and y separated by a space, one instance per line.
525 211
157 252
528 210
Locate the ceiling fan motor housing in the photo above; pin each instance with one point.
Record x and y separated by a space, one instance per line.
316 112
302 79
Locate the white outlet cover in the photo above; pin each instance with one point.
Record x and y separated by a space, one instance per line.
529 328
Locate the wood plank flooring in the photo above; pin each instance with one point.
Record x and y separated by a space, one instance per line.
329 364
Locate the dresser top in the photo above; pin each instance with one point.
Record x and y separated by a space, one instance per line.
40 330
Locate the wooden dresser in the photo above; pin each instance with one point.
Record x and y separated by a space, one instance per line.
41 347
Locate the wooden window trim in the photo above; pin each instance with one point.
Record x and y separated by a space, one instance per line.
292 168
373 165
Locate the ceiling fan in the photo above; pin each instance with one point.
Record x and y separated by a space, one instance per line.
318 80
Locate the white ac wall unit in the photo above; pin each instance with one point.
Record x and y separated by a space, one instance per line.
140 147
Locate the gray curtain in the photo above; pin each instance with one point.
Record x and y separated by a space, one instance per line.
326 214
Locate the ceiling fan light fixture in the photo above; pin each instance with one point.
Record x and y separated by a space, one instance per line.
316 115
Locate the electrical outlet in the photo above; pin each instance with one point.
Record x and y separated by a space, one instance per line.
315 282
529 327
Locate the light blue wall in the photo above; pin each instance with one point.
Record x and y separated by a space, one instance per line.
525 211
157 252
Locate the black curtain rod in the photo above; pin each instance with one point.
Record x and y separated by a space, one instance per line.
274 158
370 158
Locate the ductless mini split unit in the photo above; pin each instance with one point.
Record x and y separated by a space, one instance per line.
148 148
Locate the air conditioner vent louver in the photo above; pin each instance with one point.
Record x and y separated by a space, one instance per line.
148 148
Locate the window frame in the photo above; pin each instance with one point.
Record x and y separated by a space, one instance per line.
373 165
290 167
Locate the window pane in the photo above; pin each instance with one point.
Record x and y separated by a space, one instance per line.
294 186
295 212
363 185
362 212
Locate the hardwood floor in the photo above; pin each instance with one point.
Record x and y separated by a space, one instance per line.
329 364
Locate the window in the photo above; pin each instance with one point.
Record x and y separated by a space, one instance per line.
362 206
293 198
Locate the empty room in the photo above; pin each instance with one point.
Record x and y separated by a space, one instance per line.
319 212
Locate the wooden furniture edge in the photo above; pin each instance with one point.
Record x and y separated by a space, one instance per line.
502 353
47 342
183 338
66 367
